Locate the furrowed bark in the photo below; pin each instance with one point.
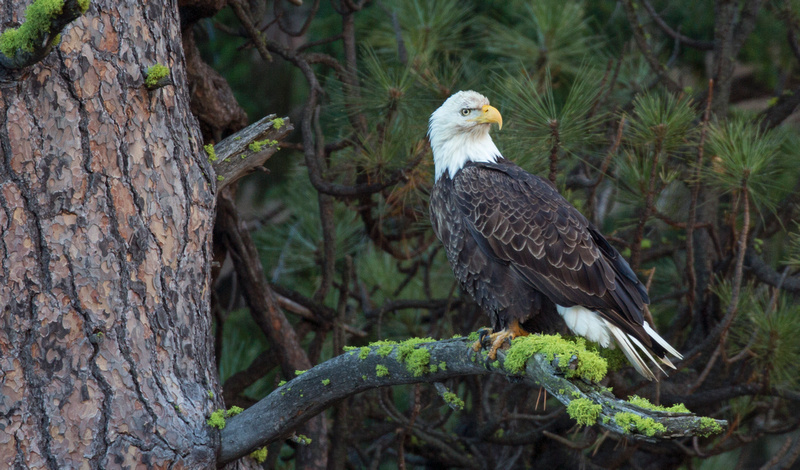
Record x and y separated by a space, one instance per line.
106 205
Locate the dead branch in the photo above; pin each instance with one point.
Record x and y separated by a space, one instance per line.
276 416
241 153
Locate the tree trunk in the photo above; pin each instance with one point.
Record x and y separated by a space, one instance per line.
107 202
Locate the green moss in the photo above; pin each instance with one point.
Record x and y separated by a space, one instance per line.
84 5
474 336
217 419
590 365
645 403
499 433
615 358
584 411
260 144
416 359
455 336
212 153
277 123
381 371
38 17
259 455
220 178
281 383
326 382
154 74
364 377
385 350
630 422
210 394
442 365
433 368
302 440
364 353
708 426
417 362
452 399
300 372
349 348
606 419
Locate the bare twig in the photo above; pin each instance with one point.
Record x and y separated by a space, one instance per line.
697 44
690 221
641 41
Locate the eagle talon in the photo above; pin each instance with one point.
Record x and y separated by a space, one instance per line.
483 333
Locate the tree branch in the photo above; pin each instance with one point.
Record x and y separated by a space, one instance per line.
24 46
695 43
240 153
276 416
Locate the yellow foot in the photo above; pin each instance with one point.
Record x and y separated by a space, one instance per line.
498 339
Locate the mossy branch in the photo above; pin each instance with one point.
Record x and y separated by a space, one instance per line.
280 413
29 43
241 153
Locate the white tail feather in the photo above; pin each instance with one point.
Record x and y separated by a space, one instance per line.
630 352
663 344
592 326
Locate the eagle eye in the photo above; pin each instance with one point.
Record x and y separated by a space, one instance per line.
465 111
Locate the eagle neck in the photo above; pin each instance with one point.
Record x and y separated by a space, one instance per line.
451 153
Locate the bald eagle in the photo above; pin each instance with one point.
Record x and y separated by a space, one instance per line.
524 253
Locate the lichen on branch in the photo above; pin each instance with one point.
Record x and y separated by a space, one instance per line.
555 366
31 41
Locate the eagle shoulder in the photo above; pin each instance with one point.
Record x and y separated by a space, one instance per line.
521 220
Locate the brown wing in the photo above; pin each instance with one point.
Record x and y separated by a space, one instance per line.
520 220
498 290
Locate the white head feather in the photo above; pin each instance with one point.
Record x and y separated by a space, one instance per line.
459 132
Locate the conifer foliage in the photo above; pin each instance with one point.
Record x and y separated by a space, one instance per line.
668 124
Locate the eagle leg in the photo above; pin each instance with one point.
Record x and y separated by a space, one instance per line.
498 339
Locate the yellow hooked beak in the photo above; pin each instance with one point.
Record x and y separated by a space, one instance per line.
490 114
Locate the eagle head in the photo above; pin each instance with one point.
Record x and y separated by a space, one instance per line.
459 132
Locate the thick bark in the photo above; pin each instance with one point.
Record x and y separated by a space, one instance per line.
106 204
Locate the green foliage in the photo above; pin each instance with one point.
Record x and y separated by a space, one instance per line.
768 335
429 29
547 34
38 17
584 411
744 156
544 123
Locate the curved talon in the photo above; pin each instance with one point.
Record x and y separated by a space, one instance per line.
496 340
